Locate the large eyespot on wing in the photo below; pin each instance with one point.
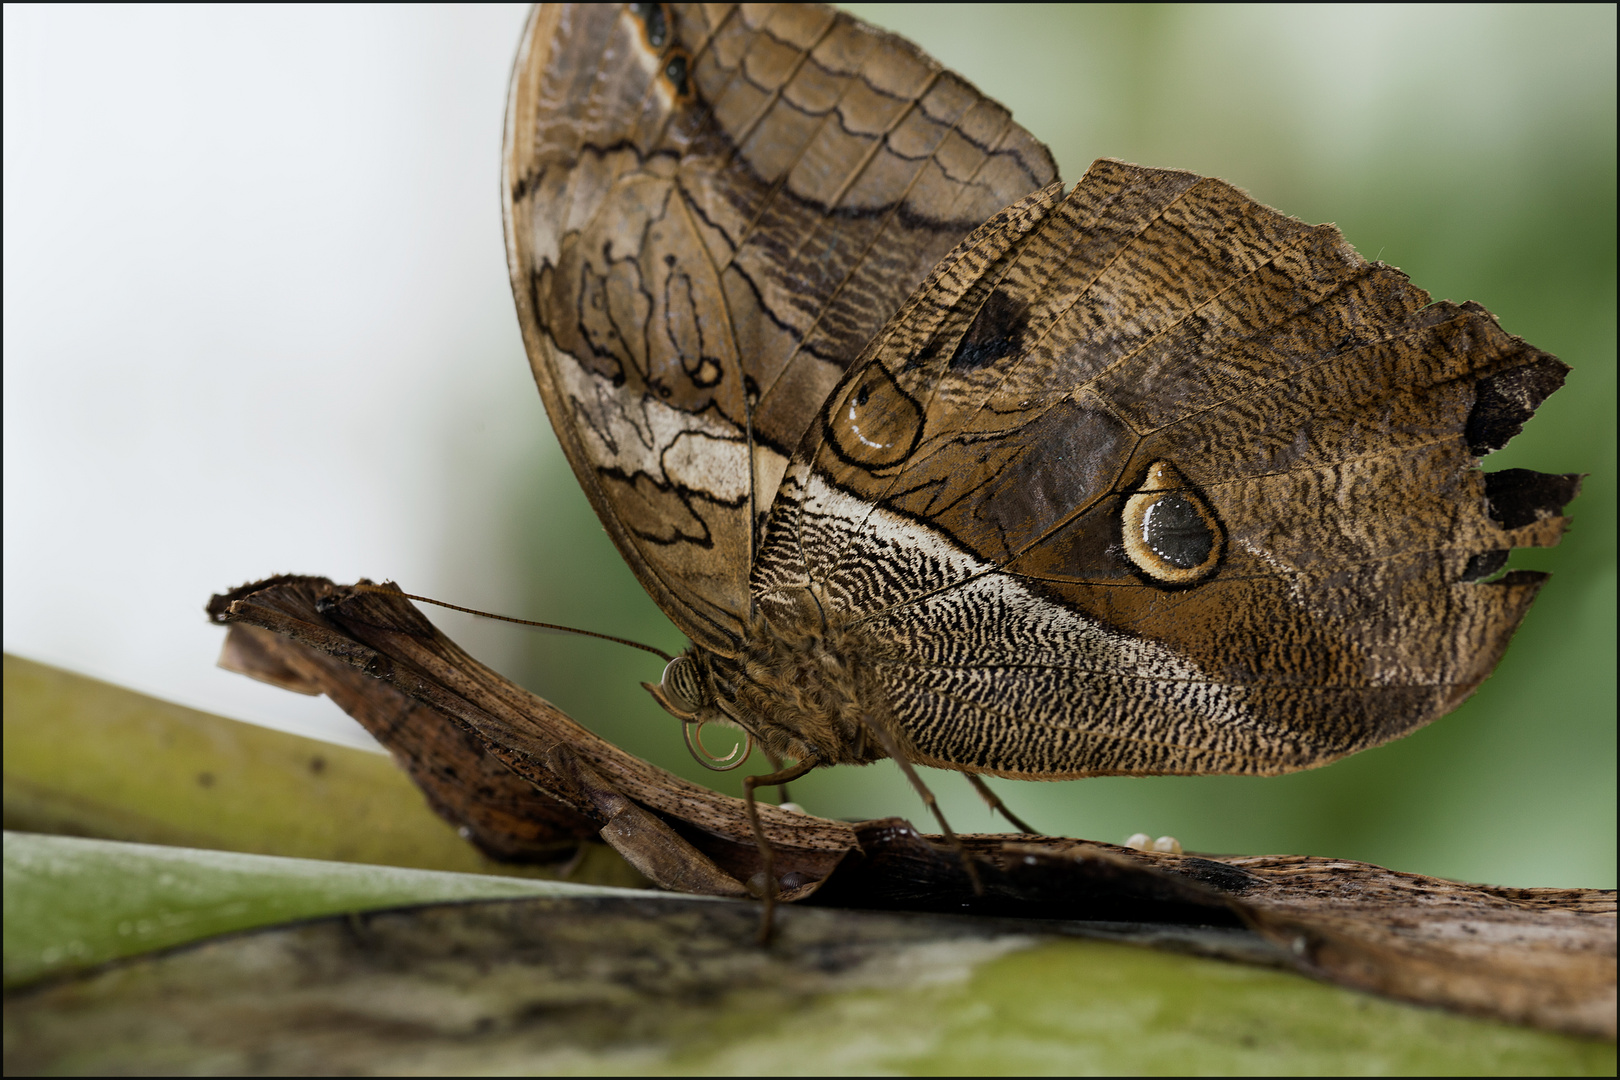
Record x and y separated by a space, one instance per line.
710 210
873 424
1168 530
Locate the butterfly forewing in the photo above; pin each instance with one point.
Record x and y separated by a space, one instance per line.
710 211
1159 344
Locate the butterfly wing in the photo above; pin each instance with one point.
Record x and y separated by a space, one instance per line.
1154 479
709 212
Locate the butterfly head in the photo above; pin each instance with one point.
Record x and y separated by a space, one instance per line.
798 688
687 693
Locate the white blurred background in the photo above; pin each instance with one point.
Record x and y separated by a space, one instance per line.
256 319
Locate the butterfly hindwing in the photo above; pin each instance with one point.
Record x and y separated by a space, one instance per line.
1152 478
710 210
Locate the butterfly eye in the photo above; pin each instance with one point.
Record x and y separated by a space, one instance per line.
1170 533
876 424
680 685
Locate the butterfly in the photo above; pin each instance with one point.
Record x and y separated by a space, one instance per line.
936 459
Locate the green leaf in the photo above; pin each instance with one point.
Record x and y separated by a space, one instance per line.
565 979
86 758
72 903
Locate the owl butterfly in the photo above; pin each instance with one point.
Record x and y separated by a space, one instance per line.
933 459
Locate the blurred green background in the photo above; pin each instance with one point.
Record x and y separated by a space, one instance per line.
1474 147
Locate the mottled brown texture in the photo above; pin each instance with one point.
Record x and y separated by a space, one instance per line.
870 404
1316 405
725 251
541 777
500 813
1537 956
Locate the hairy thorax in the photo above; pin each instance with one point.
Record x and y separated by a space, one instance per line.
804 688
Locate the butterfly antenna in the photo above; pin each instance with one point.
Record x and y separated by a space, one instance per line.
660 653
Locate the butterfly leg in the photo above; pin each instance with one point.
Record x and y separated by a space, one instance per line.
776 766
892 748
767 856
995 803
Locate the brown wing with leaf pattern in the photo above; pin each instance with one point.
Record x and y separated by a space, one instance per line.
1154 479
709 211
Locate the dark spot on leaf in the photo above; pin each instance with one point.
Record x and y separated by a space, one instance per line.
205 779
317 765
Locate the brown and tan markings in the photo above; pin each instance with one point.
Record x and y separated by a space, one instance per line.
935 459
692 265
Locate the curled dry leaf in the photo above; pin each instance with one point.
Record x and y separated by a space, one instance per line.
527 782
